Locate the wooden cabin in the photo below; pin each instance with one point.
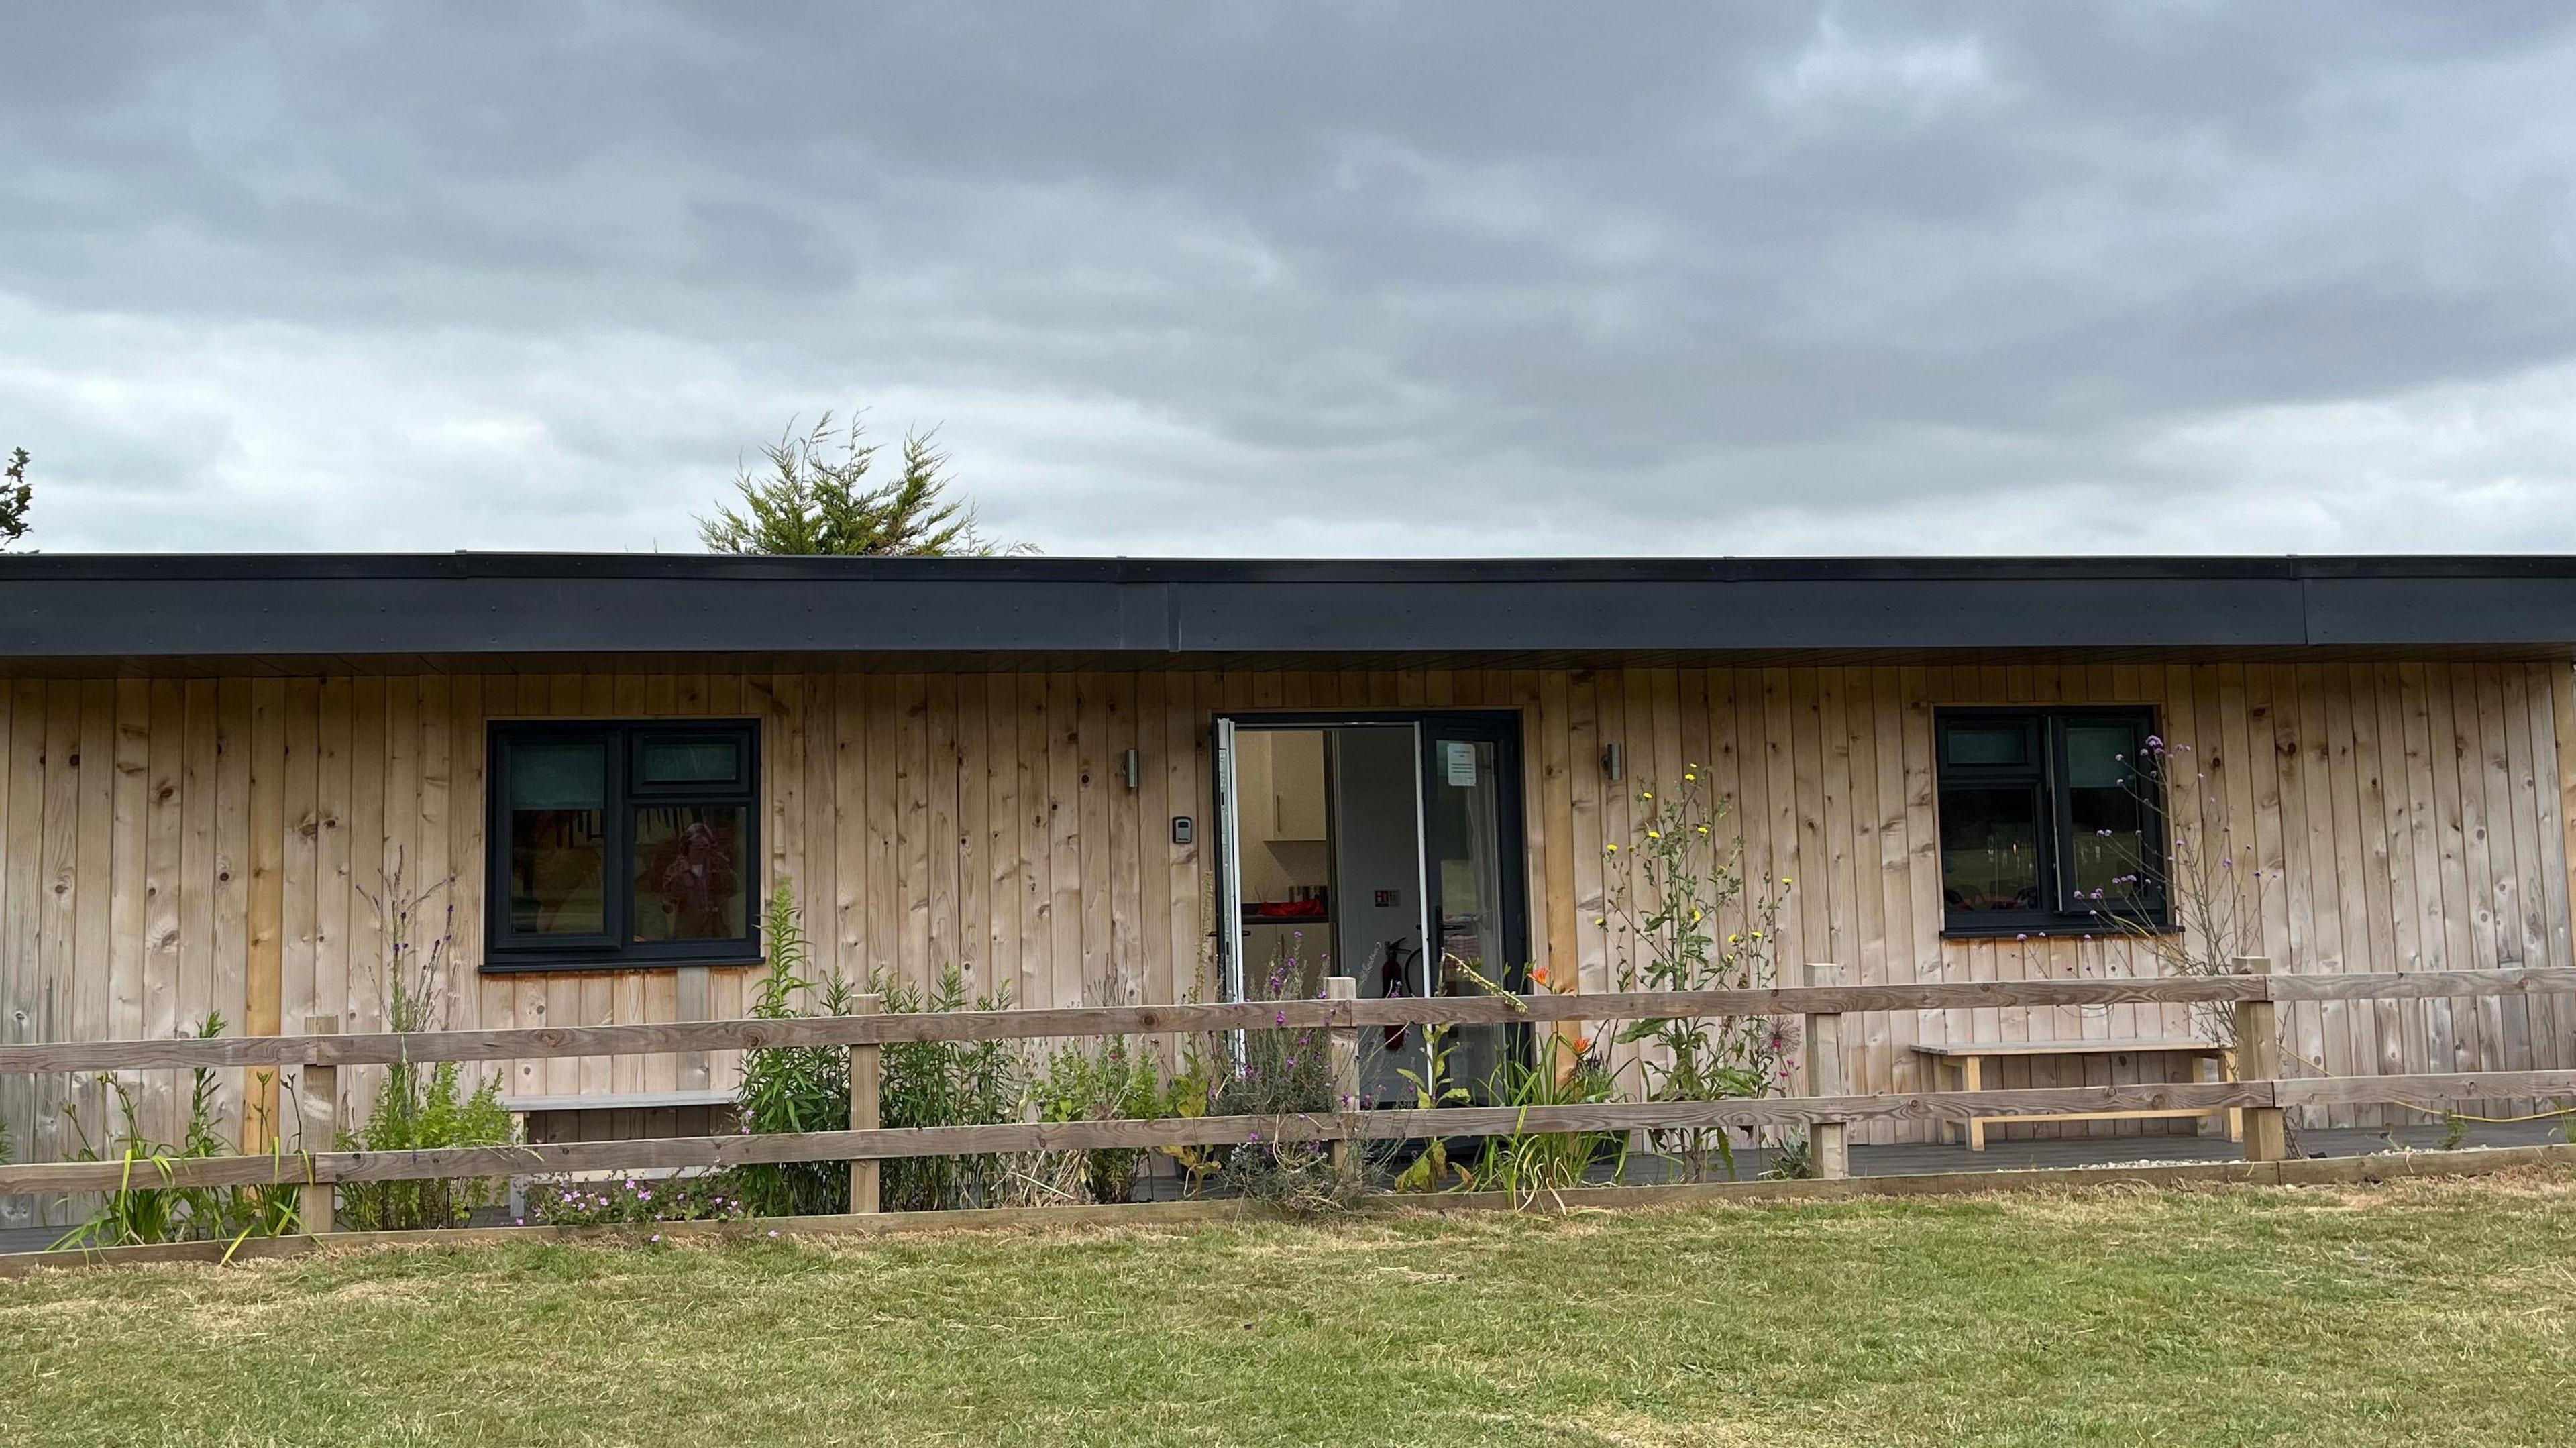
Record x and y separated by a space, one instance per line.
1145 780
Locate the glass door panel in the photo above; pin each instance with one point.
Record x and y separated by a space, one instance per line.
1474 853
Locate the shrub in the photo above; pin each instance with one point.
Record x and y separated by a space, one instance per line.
417 1109
1674 884
946 1083
794 1088
1281 1073
923 1083
1104 1081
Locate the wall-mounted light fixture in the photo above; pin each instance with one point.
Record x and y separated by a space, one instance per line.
1614 763
1135 770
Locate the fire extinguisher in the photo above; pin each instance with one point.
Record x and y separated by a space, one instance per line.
1395 979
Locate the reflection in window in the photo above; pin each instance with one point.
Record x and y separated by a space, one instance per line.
689 880
1990 848
623 843
2048 819
558 851
2106 813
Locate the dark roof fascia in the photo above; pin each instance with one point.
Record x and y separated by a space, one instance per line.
70 607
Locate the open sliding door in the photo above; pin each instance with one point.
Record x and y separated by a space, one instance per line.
1229 869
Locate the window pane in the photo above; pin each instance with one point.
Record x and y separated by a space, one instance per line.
1990 848
1987 744
558 840
2107 816
689 761
689 879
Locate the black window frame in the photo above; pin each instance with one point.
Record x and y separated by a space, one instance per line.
2063 915
508 951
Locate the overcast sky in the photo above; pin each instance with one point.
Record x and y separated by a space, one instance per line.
1335 280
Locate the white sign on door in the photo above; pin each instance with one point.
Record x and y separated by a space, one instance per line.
1458 762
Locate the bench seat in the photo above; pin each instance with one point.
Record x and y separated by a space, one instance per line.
1967 1062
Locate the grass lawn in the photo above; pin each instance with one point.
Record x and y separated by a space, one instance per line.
2420 1313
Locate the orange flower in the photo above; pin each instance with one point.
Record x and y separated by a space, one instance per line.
1539 973
1582 1044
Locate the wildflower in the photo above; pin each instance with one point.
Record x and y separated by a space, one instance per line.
1539 973
1601 920
657 1236
1703 829
2154 743
1609 849
1646 794
1582 1044
1654 834
773 1234
1785 880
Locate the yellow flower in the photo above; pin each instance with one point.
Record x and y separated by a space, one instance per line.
1600 919
1730 937
1609 849
1690 779
1694 917
1785 880
1654 834
1703 829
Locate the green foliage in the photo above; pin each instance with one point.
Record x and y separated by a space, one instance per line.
15 496
794 1088
1283 1072
135 1215
1793 1158
714 1197
424 1111
1528 1164
922 1083
1431 1170
810 502
945 1083
419 1109
1100 1081
1675 884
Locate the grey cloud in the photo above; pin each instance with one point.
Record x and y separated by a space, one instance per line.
1321 278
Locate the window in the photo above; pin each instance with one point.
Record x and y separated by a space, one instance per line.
623 844
2051 819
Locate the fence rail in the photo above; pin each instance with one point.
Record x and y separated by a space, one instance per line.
551 1042
1826 1108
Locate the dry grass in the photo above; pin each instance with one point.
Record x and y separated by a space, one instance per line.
2425 1312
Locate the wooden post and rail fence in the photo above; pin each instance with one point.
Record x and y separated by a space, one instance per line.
1825 1110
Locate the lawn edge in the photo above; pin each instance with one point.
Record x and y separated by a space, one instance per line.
2314 1171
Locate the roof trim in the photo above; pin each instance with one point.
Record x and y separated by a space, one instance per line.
66 607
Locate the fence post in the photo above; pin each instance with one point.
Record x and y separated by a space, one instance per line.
867 1081
317 1110
1345 1046
1828 1143
2258 1058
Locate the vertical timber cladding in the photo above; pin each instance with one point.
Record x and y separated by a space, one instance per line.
175 848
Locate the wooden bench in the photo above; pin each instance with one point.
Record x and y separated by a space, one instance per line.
1968 1060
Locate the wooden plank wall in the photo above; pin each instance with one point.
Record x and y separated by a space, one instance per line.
175 848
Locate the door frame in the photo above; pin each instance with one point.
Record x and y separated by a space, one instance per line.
1501 727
